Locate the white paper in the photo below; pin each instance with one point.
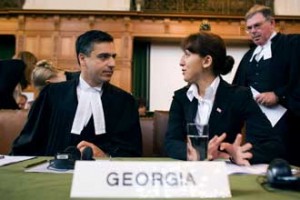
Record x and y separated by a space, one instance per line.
231 168
273 113
6 160
43 168
258 169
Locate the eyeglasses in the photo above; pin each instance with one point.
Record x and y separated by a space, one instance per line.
255 26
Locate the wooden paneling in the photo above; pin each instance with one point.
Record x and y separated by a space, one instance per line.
66 47
39 24
8 25
74 24
68 64
52 34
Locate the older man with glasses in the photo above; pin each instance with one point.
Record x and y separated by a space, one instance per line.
272 67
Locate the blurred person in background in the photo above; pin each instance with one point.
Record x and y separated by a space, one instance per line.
11 73
22 101
44 73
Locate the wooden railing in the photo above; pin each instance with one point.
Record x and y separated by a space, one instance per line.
11 4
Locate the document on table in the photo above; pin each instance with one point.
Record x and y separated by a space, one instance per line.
258 169
42 167
6 160
273 113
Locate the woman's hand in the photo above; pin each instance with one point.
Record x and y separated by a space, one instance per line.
213 151
97 152
214 148
239 154
192 153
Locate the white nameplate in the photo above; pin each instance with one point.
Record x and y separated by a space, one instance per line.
148 179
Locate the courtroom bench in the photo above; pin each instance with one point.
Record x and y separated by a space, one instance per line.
153 131
11 124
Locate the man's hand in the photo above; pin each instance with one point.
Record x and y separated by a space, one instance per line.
97 152
267 99
239 153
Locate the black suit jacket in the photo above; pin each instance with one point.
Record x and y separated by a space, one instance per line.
11 72
232 107
285 82
285 73
48 129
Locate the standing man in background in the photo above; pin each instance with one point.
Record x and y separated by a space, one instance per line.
272 68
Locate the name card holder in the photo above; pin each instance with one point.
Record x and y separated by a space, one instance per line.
148 179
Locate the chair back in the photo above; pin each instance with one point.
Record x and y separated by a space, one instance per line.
147 135
11 124
161 119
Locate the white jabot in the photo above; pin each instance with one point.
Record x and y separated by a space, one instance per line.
264 51
89 103
205 103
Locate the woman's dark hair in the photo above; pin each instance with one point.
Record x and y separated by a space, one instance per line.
30 60
203 44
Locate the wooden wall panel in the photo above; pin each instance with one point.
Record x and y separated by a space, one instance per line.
31 43
118 46
39 43
148 27
116 78
74 24
66 47
288 27
109 24
182 28
233 28
8 25
68 64
39 24
126 45
46 47
52 34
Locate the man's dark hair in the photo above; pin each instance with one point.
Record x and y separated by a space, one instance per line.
85 42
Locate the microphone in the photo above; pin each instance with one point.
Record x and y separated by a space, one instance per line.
87 154
66 159
73 153
279 175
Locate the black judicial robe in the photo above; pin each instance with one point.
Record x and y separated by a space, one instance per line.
50 120
284 71
282 76
11 72
233 106
72 75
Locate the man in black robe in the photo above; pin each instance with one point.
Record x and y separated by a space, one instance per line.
272 68
69 114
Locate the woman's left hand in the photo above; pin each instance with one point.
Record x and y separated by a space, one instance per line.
239 154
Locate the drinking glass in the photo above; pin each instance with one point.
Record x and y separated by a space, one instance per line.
198 135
